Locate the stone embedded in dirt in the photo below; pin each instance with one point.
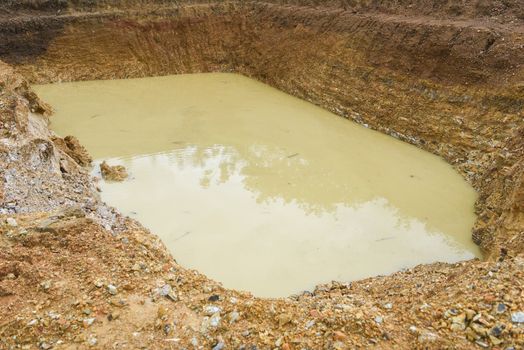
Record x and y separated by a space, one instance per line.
88 321
496 331
214 321
494 340
11 222
501 308
427 337
458 323
92 340
338 335
219 346
283 319
211 310
113 316
165 290
482 344
517 317
113 173
233 317
45 285
111 289
45 346
214 298
99 283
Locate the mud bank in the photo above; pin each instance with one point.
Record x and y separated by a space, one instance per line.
450 84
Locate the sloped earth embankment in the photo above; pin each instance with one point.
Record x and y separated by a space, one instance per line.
74 273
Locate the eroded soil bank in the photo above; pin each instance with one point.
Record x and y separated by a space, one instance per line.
75 273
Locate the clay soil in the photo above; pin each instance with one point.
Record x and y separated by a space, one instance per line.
445 76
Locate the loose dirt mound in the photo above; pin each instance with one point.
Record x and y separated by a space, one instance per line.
450 83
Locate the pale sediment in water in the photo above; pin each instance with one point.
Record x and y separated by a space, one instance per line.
262 191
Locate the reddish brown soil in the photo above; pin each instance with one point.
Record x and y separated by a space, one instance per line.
445 76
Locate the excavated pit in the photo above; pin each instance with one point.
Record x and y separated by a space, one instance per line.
448 81
249 174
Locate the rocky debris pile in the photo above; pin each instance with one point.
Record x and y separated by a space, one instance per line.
113 173
72 147
65 280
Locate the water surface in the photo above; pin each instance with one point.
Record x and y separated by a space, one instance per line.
260 190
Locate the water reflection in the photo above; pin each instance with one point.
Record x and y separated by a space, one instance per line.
210 210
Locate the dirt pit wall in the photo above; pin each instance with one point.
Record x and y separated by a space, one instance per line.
450 84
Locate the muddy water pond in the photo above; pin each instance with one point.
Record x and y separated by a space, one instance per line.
262 191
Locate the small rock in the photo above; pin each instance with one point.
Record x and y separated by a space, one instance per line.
517 317
10 276
45 285
470 314
113 173
214 321
458 323
339 336
113 316
471 335
388 306
45 225
494 340
211 310
310 324
45 346
283 319
99 283
496 331
111 289
451 312
479 329
91 340
427 337
219 346
501 308
279 342
88 321
165 290
233 317
53 315
213 298
11 222
482 344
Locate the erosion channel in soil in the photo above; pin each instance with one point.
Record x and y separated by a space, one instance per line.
260 190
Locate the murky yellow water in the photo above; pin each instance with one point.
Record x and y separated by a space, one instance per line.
262 191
